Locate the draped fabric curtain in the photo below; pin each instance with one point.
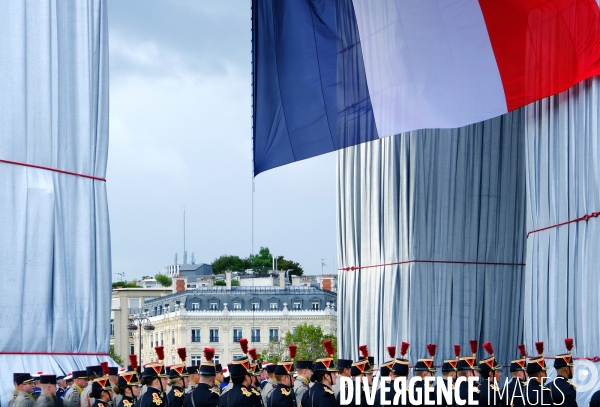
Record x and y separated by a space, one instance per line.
563 180
443 203
54 231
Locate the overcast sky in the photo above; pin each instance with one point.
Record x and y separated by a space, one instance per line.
180 135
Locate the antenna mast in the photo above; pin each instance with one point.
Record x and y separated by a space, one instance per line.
184 251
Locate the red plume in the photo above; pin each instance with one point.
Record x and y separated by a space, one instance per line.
392 351
293 349
253 353
182 354
431 347
488 348
244 345
539 346
329 348
160 352
104 368
457 350
473 343
521 348
209 354
404 348
133 361
364 351
569 344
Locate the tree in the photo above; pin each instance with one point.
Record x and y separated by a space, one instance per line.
163 280
261 262
234 283
283 264
309 340
114 356
227 262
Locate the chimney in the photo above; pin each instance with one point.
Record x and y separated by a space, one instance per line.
179 283
228 279
281 279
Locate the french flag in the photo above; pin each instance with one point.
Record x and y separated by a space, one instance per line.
329 74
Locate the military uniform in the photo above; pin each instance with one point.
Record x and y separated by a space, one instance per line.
24 400
126 401
563 391
176 396
237 396
269 387
100 403
152 398
282 396
60 392
15 394
72 396
301 385
537 394
202 396
45 400
319 395
227 388
595 400
516 392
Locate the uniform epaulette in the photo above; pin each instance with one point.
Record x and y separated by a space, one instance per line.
178 393
214 391
328 390
285 392
256 392
156 399
127 403
245 392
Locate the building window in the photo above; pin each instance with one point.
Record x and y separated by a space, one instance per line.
273 334
255 306
315 306
214 306
195 334
162 339
237 334
173 359
172 337
255 335
297 305
112 328
214 335
195 306
294 331
237 305
131 348
236 355
196 360
273 305
216 359
155 311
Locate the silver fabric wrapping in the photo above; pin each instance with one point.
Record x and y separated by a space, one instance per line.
54 234
563 183
450 195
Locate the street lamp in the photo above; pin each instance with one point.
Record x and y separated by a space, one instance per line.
142 322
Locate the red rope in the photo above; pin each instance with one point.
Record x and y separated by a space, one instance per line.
41 167
582 218
55 353
431 261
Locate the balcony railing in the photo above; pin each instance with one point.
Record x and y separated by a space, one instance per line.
214 338
255 338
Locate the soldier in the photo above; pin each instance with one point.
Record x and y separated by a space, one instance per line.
37 390
358 370
343 366
239 394
204 395
93 372
489 371
517 386
48 389
537 394
62 387
321 393
15 392
219 379
563 391
256 371
177 375
128 388
193 378
155 379
449 373
101 391
466 368
24 383
283 395
270 385
595 400
301 384
73 395
424 368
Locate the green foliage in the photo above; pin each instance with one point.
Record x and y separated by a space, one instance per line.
227 262
261 262
124 284
114 356
234 283
308 338
163 280
283 264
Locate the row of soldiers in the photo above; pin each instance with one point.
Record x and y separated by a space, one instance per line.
306 383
